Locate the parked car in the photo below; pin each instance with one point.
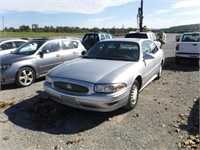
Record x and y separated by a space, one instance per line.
89 39
6 46
109 76
188 47
144 35
35 58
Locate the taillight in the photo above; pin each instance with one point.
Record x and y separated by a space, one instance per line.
177 47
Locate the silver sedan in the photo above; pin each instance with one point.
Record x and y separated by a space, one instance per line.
35 58
109 76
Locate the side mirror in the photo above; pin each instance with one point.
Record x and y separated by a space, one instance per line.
148 56
43 52
178 38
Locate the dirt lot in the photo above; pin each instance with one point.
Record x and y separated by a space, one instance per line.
166 118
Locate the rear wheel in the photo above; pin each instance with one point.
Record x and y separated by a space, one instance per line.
133 96
25 77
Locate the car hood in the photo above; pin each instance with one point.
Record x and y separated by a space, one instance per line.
94 70
11 58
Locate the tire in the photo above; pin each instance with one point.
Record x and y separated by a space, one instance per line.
177 60
159 73
25 77
133 96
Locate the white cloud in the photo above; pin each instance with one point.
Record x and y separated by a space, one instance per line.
186 3
169 22
60 6
98 21
159 12
108 22
194 12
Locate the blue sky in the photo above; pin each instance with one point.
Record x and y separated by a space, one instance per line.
98 13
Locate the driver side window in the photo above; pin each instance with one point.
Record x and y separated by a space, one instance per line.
153 47
145 47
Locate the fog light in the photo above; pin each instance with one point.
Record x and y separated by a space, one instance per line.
112 103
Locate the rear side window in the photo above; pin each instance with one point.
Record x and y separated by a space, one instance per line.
19 43
152 37
107 36
52 46
67 45
102 37
5 46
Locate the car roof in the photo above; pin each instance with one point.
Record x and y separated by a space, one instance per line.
138 32
9 40
57 38
96 33
137 40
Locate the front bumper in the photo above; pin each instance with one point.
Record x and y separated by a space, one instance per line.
8 76
91 101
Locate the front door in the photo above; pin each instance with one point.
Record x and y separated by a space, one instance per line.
49 57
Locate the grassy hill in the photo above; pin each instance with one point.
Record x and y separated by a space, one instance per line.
183 28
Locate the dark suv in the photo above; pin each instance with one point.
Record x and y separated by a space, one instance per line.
89 39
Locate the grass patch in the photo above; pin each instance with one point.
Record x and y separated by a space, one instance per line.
37 34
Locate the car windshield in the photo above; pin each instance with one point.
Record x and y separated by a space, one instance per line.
29 48
114 50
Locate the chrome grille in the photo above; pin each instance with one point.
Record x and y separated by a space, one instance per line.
71 87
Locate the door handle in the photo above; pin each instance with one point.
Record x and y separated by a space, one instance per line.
58 55
74 52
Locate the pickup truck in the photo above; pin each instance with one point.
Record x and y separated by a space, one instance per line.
144 35
188 46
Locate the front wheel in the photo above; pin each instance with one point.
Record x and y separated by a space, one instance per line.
159 73
133 96
25 77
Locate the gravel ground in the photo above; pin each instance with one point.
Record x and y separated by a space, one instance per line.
166 117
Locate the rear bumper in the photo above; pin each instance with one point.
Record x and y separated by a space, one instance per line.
188 55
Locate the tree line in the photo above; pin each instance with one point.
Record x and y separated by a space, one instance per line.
66 29
113 30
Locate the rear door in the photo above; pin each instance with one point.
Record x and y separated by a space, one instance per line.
69 50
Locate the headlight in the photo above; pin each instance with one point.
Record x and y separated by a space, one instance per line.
109 88
49 79
5 66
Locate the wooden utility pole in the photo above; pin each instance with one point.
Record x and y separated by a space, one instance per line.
141 16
